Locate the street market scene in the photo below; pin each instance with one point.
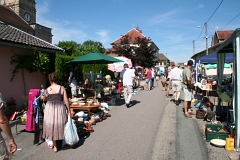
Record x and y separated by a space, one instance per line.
65 95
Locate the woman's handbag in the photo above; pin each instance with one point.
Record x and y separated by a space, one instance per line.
70 132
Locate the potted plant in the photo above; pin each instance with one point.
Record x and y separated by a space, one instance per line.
11 103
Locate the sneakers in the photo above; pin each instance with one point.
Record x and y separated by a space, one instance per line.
177 103
128 105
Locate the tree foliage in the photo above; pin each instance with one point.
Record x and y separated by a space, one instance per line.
82 50
99 45
34 62
140 51
63 68
74 49
68 46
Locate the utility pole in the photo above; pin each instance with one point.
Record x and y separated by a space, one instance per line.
193 47
206 30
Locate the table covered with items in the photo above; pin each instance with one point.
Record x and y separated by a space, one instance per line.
87 112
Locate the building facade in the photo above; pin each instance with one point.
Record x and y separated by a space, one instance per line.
132 34
26 9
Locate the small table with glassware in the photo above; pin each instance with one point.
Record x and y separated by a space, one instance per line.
83 105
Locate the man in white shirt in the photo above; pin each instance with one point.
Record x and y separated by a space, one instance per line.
127 76
175 75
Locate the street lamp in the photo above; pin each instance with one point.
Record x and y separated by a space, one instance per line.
206 32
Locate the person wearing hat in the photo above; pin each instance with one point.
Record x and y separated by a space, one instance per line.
4 125
187 88
127 76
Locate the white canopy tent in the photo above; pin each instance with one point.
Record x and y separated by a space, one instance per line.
232 44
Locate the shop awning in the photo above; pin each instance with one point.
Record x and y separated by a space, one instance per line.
232 44
212 58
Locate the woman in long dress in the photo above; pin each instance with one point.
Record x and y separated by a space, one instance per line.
55 113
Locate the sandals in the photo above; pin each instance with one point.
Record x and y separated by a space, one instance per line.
192 113
187 115
55 150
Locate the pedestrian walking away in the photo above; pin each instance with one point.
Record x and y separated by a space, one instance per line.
127 76
152 78
148 76
175 75
168 82
55 113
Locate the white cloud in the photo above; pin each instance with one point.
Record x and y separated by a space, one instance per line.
163 18
200 6
62 29
103 37
42 8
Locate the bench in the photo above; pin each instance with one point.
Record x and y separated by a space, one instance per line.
15 123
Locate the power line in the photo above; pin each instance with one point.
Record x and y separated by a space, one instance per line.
176 44
215 11
200 33
230 21
210 18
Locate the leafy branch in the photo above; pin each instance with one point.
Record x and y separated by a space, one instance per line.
32 63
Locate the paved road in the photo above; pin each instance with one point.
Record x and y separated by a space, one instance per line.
153 128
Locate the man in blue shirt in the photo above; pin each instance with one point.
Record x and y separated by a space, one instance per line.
73 80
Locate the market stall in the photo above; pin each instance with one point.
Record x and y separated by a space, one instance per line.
232 44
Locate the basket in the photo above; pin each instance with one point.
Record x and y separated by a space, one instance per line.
200 114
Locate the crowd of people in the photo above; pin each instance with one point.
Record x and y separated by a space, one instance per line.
57 109
179 79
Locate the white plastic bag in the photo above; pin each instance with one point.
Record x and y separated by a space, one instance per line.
49 143
70 132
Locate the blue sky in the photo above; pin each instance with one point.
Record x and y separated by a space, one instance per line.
172 24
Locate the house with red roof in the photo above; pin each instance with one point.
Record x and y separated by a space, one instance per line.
133 34
163 60
218 38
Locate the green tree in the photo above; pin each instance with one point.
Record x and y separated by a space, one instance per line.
96 44
140 51
82 50
68 46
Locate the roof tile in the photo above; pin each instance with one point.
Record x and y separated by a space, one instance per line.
9 33
162 57
224 34
133 33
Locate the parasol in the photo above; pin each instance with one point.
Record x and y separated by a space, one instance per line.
118 66
95 58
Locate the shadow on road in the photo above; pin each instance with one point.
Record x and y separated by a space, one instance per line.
133 103
80 143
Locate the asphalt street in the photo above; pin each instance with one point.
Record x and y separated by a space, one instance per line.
152 128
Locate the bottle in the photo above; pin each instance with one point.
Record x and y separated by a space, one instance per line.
229 144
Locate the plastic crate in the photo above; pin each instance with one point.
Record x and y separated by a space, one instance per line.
215 134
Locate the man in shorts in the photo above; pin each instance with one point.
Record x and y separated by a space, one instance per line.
175 76
187 88
127 76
